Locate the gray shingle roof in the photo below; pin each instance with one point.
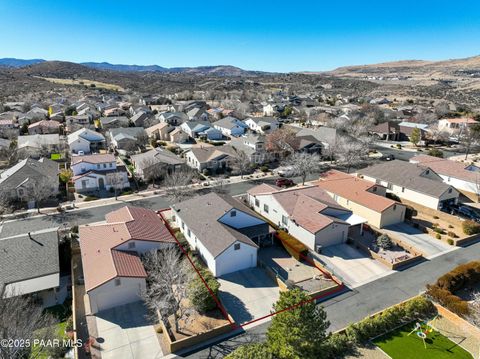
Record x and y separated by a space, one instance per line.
158 155
406 175
201 215
24 257
28 169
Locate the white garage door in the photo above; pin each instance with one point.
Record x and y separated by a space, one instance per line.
116 297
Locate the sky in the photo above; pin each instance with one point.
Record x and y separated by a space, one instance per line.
280 36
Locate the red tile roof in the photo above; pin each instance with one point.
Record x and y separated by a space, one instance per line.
128 264
354 189
99 242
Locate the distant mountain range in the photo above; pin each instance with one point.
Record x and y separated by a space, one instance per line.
220 70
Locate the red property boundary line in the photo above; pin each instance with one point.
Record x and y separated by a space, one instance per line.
234 325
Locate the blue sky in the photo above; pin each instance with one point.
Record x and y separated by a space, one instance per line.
257 35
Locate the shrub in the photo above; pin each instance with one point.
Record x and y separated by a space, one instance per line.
251 351
339 346
162 143
435 152
470 227
90 198
436 217
198 293
384 241
264 169
438 236
451 234
399 146
448 300
206 172
438 230
450 241
450 226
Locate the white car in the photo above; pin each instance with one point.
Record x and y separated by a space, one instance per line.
286 171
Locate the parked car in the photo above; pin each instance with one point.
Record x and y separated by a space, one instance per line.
389 157
285 171
284 182
465 212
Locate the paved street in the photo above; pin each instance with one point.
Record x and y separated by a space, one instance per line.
364 300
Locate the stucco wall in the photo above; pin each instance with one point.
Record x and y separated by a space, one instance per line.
109 295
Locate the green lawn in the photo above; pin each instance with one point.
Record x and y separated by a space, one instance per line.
399 345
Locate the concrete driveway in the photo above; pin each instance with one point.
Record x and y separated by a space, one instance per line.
416 238
248 294
351 265
125 332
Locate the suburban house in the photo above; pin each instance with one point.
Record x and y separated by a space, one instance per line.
411 182
113 271
31 265
19 181
222 230
112 122
201 128
465 178
139 118
396 131
253 145
230 126
178 136
308 213
211 158
98 172
127 139
363 198
6 124
156 161
453 125
85 141
262 124
37 145
75 123
44 127
160 131
173 118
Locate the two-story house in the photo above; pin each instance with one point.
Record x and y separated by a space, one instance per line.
230 126
98 172
262 124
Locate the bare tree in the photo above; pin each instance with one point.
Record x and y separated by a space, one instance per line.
241 162
474 307
283 141
10 154
436 134
168 278
116 180
469 137
41 190
303 164
153 170
351 152
22 319
177 183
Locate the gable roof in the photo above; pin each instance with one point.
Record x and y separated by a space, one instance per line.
27 257
354 189
37 141
229 122
98 243
205 154
85 134
201 214
447 167
29 169
406 175
94 159
157 155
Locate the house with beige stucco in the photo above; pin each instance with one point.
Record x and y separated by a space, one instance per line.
363 198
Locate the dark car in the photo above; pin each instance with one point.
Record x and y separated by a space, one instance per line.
284 182
389 157
465 212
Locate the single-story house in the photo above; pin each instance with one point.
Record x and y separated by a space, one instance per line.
86 141
230 126
223 231
452 125
112 122
178 136
44 127
462 176
156 160
30 265
126 139
198 128
262 124
363 198
18 182
173 118
113 271
98 172
38 145
211 158
412 182
139 118
397 131
308 213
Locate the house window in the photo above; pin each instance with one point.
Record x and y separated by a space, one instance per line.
257 203
117 282
233 213
335 197
377 181
189 233
20 192
265 208
403 189
183 225
98 166
389 185
284 220
131 244
348 202
111 165
427 172
236 246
